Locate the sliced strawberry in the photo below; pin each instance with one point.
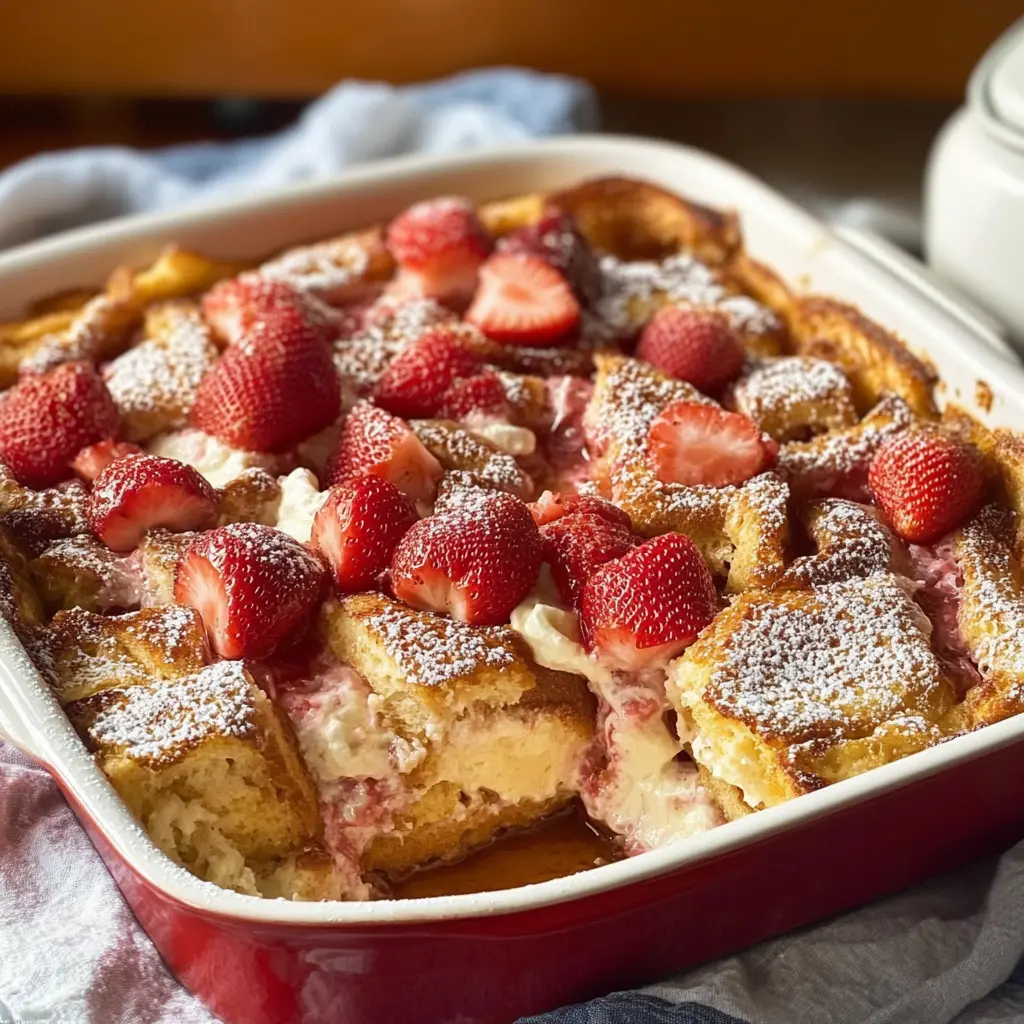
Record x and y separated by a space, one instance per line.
644 608
523 300
693 443
556 239
417 379
357 529
695 345
375 442
551 506
251 584
91 461
926 484
476 560
274 390
481 395
234 306
46 419
139 492
439 246
575 545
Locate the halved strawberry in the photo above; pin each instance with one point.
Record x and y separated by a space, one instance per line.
375 442
523 300
234 306
417 379
926 484
694 443
139 492
576 544
271 391
46 419
251 584
551 506
556 239
91 461
476 560
695 345
439 246
481 395
357 529
644 608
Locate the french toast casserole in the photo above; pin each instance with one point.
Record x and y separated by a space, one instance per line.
349 563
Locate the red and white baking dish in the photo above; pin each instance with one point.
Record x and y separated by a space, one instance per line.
492 957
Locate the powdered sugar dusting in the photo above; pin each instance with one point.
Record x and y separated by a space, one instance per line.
460 449
779 386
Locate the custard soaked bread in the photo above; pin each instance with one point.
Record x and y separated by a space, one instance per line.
349 562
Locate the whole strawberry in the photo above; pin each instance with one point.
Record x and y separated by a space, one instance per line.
234 306
251 584
926 484
644 608
272 390
551 506
47 419
575 545
695 345
476 560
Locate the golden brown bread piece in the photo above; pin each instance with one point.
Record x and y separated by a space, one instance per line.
80 572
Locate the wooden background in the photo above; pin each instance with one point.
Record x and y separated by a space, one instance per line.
660 48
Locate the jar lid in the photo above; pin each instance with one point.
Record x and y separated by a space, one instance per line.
996 88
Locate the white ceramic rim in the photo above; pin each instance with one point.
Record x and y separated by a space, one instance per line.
31 716
978 90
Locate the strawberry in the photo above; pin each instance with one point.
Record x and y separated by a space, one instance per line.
138 492
271 391
482 394
46 419
416 380
550 506
234 306
251 584
695 345
694 443
523 300
357 529
91 461
476 560
926 484
375 442
556 239
576 544
642 609
439 246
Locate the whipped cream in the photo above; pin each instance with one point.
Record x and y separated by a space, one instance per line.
216 461
301 499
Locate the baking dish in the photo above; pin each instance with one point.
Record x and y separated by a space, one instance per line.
492 957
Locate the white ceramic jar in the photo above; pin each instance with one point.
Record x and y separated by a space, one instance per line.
974 187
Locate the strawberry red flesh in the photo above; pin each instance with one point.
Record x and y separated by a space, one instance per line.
416 380
375 442
46 419
694 443
140 492
643 609
272 390
556 239
357 529
551 506
695 345
251 584
233 307
926 484
91 461
523 300
475 561
575 545
481 395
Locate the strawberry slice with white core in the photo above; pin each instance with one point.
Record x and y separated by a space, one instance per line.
439 246
251 584
91 461
643 609
694 443
522 300
375 442
137 493
357 529
476 560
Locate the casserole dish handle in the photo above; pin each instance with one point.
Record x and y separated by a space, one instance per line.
937 292
14 726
